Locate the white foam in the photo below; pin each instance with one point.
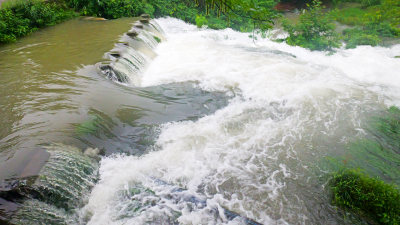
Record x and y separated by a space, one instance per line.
254 156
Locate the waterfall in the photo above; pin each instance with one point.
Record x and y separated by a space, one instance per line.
57 191
261 156
128 59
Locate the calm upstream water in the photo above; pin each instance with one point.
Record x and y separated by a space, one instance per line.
213 124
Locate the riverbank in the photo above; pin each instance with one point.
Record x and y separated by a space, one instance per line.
365 24
22 18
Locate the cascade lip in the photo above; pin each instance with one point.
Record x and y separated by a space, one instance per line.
28 184
131 40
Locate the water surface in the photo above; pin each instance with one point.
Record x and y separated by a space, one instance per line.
213 122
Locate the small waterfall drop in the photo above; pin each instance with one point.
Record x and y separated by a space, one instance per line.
262 155
57 191
129 57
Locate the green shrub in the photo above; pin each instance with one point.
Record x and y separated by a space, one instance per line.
149 9
41 14
349 16
182 9
357 191
388 11
314 30
12 26
201 21
358 36
27 16
111 9
382 29
367 3
370 34
219 23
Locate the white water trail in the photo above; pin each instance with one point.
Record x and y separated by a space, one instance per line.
259 156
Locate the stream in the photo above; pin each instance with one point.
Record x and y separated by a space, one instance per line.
206 127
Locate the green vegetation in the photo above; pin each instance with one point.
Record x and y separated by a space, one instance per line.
314 30
349 16
201 21
379 156
110 9
25 17
90 126
358 36
378 153
157 39
354 190
259 12
374 21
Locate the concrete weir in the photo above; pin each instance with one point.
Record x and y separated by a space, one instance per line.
50 182
55 191
130 56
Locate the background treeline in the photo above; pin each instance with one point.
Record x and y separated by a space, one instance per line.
372 22
18 18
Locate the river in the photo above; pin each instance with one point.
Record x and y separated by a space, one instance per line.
213 122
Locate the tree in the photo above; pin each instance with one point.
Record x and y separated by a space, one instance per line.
314 31
261 12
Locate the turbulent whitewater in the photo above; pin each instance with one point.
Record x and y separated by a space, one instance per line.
263 155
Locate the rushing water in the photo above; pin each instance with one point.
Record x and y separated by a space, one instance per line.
210 124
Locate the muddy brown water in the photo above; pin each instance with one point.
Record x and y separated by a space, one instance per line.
49 87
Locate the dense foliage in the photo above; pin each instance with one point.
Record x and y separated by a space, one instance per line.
314 30
357 191
374 22
259 12
28 16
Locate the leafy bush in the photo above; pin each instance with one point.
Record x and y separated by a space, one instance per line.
183 9
357 191
388 11
349 16
12 26
358 36
110 9
148 9
314 30
41 14
383 29
370 34
367 3
201 21
27 16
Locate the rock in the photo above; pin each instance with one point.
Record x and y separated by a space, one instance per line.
145 21
132 33
95 18
139 26
115 54
92 153
145 16
123 43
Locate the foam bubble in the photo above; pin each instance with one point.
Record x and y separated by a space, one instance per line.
258 156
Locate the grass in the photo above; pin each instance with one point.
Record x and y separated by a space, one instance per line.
350 16
357 191
374 22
